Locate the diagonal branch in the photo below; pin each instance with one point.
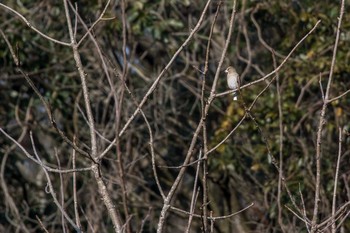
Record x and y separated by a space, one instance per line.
34 28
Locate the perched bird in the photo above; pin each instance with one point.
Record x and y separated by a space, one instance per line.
233 81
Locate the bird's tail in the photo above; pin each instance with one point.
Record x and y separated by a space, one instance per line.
234 96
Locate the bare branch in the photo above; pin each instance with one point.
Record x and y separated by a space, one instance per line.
321 124
34 28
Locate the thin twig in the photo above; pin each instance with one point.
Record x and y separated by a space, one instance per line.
119 108
15 58
301 218
61 189
331 219
40 163
338 97
34 28
144 220
100 18
194 194
51 189
306 220
322 123
304 88
205 136
51 118
83 80
214 218
336 178
211 222
41 224
341 221
75 198
321 87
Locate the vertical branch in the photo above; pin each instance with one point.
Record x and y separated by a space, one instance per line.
82 75
205 138
194 193
322 123
75 199
211 222
280 116
336 180
118 109
61 189
306 221
95 168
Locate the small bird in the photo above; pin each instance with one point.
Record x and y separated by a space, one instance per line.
233 81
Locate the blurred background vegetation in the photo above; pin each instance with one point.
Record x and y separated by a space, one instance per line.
240 171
